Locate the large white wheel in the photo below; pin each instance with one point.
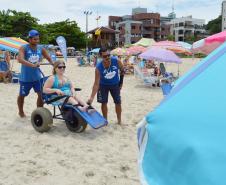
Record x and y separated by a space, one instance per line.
41 119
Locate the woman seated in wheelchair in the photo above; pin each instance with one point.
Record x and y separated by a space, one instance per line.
59 84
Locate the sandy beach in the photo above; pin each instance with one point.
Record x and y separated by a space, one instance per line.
107 156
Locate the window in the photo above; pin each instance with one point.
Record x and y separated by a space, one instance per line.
133 27
181 31
181 24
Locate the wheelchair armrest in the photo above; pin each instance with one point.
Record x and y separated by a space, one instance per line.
47 96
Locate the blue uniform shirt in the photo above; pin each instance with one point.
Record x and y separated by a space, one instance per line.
109 76
30 74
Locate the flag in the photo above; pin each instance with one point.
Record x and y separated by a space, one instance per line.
98 31
63 46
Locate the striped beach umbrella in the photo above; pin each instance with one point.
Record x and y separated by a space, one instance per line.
134 50
11 44
120 52
207 45
173 46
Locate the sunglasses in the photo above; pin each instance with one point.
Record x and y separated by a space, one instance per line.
61 67
106 56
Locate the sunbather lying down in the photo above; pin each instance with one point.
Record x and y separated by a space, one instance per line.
58 83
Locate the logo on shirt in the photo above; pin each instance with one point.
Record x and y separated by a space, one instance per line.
33 58
110 75
114 67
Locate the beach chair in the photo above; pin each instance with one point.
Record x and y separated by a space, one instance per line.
166 74
76 120
147 78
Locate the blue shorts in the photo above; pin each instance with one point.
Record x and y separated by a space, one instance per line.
102 94
25 87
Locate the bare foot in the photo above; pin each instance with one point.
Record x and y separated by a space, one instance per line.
90 111
22 115
83 109
119 122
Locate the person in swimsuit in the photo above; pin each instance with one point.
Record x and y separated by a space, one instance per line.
58 83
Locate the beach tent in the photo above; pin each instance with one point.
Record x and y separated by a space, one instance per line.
11 44
183 140
144 42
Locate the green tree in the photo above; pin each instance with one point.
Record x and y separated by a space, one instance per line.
17 24
5 23
171 37
214 26
190 39
68 29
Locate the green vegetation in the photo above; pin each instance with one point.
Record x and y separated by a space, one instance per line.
18 24
214 26
171 37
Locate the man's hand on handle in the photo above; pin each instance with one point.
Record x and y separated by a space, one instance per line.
36 65
90 101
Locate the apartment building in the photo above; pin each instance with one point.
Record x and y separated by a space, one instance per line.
185 27
133 27
165 27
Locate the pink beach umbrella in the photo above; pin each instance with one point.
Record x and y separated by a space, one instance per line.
120 52
160 55
135 50
173 46
209 44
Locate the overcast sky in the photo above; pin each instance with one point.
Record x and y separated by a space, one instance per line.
48 11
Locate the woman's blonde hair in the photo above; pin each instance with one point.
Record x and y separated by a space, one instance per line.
56 64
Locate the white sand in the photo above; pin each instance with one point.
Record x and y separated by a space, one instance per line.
107 156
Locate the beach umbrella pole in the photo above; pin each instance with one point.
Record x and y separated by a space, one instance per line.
178 70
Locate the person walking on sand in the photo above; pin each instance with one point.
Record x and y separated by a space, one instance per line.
30 56
107 80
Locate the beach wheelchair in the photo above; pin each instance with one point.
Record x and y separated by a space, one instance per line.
76 120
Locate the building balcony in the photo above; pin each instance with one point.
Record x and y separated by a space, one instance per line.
147 32
136 31
148 24
189 26
157 33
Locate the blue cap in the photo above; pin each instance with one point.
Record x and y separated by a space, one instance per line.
33 33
